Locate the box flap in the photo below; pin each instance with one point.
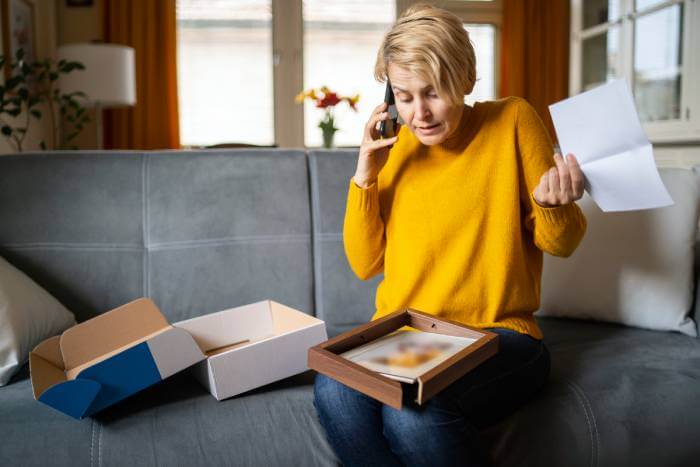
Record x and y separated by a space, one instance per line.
109 331
73 398
173 351
46 366
215 330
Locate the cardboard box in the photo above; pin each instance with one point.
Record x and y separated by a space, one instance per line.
325 358
252 345
103 360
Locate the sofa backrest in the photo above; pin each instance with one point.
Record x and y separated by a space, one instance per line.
196 231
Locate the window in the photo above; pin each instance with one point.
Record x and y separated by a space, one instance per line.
227 66
225 71
340 49
648 43
483 37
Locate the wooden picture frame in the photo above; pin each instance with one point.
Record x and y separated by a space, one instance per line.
325 358
18 31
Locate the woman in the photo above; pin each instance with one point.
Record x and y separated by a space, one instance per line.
456 211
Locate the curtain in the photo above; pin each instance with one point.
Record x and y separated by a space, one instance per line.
149 26
535 53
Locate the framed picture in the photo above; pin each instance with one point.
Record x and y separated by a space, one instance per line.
18 31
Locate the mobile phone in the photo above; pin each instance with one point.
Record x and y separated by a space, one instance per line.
387 128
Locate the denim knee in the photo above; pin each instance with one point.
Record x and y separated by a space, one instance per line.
325 394
332 398
430 436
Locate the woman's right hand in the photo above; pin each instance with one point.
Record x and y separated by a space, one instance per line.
374 151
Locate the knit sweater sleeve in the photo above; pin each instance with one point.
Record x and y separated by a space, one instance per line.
363 231
556 230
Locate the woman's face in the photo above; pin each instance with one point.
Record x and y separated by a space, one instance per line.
431 118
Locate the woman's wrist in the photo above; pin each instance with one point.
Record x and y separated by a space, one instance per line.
361 182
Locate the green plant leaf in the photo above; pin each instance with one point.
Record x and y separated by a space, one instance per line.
6 130
19 55
53 76
36 113
23 93
13 82
14 111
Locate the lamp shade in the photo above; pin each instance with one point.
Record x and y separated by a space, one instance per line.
108 79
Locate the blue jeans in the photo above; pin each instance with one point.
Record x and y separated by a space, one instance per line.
445 430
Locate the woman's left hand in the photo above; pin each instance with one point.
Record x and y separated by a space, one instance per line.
560 185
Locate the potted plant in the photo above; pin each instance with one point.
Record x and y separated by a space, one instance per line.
31 84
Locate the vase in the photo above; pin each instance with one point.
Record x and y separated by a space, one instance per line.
328 136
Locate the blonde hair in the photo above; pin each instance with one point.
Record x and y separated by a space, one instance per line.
431 43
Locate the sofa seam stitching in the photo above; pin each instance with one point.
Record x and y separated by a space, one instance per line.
145 227
230 241
316 252
92 443
99 446
590 419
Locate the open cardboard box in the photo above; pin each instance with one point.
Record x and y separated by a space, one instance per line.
252 345
101 361
325 358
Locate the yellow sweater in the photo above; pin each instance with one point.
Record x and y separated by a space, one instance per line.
454 227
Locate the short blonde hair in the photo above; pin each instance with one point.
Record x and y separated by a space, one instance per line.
433 44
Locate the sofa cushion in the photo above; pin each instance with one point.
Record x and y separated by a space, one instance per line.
342 300
173 423
227 228
617 396
633 268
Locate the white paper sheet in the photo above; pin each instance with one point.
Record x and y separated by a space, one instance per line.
602 129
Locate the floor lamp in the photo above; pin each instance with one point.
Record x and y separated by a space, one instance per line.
108 80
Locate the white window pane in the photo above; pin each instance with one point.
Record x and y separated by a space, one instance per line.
341 40
225 71
600 11
658 51
601 58
483 40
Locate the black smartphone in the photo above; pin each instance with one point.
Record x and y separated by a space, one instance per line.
387 128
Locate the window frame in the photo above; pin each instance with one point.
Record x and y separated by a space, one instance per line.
687 127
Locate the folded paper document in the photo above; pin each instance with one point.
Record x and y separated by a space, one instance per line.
602 129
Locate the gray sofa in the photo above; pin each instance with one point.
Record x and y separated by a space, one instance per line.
202 231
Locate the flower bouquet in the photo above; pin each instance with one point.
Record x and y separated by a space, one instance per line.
327 100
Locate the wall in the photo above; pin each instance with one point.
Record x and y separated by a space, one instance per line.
45 25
